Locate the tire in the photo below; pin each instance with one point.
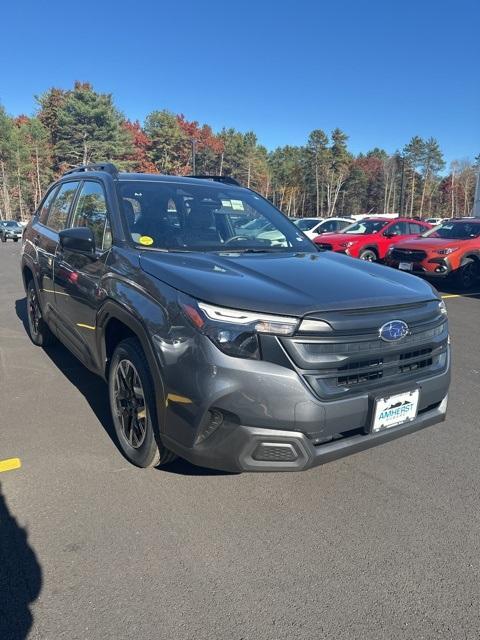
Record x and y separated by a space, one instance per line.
370 255
467 275
131 392
40 334
15 239
4 239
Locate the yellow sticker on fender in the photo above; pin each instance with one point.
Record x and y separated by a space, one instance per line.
146 240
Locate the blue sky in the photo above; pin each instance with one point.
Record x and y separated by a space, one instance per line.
381 70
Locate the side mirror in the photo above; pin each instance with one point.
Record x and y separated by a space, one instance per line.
78 239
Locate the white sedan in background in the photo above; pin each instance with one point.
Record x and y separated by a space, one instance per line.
313 227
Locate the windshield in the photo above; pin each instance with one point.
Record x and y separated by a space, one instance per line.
455 231
306 224
205 217
365 227
11 223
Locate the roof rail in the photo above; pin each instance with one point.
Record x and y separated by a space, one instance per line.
108 167
224 179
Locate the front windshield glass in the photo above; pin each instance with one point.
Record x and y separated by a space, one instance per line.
306 225
205 217
11 223
461 230
365 227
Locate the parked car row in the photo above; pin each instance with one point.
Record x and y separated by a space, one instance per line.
450 249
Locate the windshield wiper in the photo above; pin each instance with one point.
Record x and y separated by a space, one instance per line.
252 250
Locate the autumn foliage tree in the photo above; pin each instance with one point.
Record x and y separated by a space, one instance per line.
321 177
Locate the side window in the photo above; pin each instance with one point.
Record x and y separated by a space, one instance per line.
45 208
416 229
91 212
398 229
58 214
330 225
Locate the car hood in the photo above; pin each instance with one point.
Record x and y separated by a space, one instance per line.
288 283
426 244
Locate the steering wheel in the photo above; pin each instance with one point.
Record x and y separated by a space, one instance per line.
235 238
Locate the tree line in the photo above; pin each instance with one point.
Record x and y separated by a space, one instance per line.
321 178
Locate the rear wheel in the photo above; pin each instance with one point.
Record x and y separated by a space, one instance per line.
132 403
40 334
467 275
370 255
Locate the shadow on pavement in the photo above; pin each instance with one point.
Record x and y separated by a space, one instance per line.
95 391
20 577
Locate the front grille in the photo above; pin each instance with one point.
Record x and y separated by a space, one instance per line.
324 246
407 255
343 362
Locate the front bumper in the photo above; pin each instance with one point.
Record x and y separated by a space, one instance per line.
256 449
432 267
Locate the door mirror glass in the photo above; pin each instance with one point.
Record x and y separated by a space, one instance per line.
79 239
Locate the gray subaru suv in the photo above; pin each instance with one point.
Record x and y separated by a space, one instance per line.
225 336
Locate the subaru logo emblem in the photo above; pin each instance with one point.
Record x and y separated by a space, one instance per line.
394 330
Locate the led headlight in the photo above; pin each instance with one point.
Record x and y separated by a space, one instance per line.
442 307
234 331
447 251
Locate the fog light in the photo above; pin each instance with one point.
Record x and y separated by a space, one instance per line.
213 420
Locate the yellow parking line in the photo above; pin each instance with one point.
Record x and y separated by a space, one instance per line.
10 464
461 295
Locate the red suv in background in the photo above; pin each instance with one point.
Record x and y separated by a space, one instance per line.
370 238
449 250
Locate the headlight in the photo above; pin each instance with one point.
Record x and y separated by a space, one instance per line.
446 252
233 331
345 245
442 307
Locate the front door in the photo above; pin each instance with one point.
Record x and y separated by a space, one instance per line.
77 275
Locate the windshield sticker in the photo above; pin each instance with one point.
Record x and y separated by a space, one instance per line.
145 240
226 203
237 205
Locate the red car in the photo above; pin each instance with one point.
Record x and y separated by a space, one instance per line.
370 238
451 250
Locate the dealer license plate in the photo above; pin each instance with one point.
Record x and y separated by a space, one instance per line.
405 266
394 410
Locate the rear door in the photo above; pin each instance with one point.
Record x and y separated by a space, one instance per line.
44 238
77 275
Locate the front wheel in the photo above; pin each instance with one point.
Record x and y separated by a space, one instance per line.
4 239
467 275
15 239
368 254
132 403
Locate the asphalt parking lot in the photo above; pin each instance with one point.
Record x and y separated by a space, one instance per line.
384 544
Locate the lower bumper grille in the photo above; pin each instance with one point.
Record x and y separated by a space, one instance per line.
407 255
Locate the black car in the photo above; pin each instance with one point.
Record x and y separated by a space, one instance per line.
10 230
221 346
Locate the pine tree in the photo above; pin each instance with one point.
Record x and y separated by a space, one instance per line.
90 128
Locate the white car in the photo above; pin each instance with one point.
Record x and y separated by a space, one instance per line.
434 220
313 227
